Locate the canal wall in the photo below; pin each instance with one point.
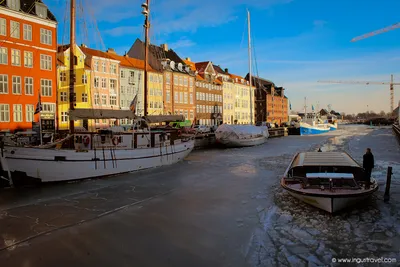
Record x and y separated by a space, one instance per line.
396 131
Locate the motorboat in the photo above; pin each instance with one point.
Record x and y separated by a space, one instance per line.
311 129
330 181
241 135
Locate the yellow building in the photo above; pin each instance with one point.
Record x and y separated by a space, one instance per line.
82 87
155 93
242 100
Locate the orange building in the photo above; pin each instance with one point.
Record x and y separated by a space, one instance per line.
28 47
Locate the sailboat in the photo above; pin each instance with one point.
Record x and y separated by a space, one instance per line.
243 135
83 155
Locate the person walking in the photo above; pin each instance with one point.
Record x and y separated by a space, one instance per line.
368 165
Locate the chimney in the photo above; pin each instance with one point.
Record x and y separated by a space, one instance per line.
83 45
226 70
126 54
165 47
188 59
111 51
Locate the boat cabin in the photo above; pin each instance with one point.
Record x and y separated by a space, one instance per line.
324 170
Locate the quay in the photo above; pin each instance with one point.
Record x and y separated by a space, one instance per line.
213 209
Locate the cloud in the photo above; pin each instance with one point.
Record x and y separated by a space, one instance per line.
123 31
182 42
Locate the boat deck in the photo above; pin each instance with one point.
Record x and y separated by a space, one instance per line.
335 192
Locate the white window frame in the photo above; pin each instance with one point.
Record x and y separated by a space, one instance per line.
46 36
27 32
46 62
28 82
113 100
46 87
63 76
96 99
29 112
3 27
16 85
113 84
85 98
63 97
28 59
64 116
3 56
103 83
96 82
103 67
15 57
4 84
17 113
4 113
15 29
84 79
104 100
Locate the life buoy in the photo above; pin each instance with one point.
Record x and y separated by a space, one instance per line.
115 141
86 140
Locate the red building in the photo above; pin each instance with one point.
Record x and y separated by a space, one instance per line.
28 47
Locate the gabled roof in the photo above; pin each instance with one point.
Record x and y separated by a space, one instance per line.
191 64
95 53
126 61
219 70
201 66
28 7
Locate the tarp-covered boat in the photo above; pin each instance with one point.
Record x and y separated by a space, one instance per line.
241 135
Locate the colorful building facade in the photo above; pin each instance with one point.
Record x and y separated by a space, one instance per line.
28 47
83 98
242 107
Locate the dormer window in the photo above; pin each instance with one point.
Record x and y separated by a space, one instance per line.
41 10
14 4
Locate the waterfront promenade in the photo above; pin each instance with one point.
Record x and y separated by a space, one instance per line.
220 207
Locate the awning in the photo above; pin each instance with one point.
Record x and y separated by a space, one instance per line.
82 114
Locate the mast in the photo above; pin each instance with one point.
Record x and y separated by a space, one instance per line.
146 26
71 66
250 78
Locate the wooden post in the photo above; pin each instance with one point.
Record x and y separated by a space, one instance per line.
386 197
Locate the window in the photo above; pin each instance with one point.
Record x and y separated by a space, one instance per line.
49 108
168 96
103 83
4 113
15 57
191 98
3 27
17 113
63 96
96 99
46 37
103 99
168 78
64 116
28 85
16 85
113 84
63 76
27 32
84 97
122 74
96 82
185 81
113 100
29 113
176 99
96 66
28 59
84 79
15 29
3 84
46 87
186 98
3 55
180 97
103 66
190 82
41 10
45 62
191 115
175 80
113 68
132 74
122 90
180 80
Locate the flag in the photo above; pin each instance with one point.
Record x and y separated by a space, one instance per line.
132 106
38 106
290 106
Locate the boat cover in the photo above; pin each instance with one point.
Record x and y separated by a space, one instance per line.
226 131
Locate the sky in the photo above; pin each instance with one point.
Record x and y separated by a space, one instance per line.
295 43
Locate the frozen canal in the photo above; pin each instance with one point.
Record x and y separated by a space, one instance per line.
217 208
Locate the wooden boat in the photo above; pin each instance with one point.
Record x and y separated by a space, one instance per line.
241 135
330 181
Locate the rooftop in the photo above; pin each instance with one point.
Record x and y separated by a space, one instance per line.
27 6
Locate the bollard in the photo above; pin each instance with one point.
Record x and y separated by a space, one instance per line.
386 197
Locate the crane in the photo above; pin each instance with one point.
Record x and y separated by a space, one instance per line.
367 35
391 83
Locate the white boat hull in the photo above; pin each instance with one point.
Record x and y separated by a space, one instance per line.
52 165
231 142
328 203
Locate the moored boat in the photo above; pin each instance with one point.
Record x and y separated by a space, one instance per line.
241 135
330 181
308 129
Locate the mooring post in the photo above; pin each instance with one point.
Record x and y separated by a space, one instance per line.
386 197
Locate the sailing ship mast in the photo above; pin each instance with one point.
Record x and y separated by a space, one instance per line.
71 66
146 26
250 78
